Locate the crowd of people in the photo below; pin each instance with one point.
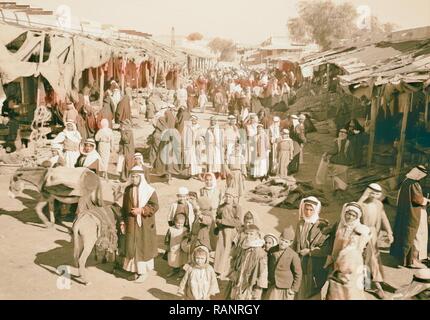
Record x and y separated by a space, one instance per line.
209 238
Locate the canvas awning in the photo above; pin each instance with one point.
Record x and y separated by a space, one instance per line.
71 54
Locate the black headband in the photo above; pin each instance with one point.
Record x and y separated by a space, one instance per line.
374 189
311 202
422 169
354 204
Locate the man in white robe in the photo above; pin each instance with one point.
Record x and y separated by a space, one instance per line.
274 136
192 146
231 136
214 147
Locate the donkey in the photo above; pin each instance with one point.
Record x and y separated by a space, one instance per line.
67 185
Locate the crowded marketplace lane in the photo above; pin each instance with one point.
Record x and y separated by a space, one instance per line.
200 168
41 255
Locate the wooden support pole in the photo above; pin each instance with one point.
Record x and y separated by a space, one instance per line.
426 110
328 76
373 115
156 73
122 80
401 147
102 85
39 79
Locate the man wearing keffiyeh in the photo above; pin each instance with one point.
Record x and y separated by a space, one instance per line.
138 211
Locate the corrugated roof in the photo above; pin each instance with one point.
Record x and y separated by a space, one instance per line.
383 62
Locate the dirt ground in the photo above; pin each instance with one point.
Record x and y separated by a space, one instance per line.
30 254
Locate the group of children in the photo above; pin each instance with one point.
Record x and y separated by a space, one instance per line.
198 234
301 263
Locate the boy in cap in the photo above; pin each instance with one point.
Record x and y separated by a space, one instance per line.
285 270
176 257
183 206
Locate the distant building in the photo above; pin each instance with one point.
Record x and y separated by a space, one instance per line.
420 33
276 49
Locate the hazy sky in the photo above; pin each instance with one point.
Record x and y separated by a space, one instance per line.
248 21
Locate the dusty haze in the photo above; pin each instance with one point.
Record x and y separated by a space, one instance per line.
246 21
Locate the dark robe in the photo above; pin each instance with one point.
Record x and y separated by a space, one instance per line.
407 221
126 144
249 269
141 242
182 116
201 231
192 98
108 109
341 152
164 142
170 119
357 142
150 109
154 141
314 275
343 115
93 166
123 111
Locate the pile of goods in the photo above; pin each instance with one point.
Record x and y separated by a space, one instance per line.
285 193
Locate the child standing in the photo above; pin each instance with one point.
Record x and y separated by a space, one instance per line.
176 257
284 269
199 281
203 99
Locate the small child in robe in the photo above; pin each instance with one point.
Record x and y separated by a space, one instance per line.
176 257
199 281
203 99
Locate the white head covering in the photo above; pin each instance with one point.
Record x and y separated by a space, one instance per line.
351 206
57 146
144 192
373 187
214 182
183 191
295 120
417 173
315 203
91 156
276 119
74 134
